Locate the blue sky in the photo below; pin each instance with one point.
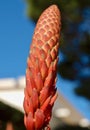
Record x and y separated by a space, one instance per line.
15 37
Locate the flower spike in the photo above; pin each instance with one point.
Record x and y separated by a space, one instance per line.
40 92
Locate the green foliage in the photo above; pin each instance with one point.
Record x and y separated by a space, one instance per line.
8 114
84 88
35 8
85 44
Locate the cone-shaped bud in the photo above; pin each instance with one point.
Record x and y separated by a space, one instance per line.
40 91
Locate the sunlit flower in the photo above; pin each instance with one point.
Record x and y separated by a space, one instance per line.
40 91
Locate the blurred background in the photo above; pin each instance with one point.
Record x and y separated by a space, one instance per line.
17 22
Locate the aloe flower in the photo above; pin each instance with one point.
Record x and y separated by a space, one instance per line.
40 91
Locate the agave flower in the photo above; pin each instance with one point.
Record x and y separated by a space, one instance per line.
40 91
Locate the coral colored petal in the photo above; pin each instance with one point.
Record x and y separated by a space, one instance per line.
39 81
44 70
53 99
45 104
53 54
48 60
51 76
49 80
26 93
28 87
39 119
29 63
29 122
34 98
44 93
28 106
30 78
48 113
